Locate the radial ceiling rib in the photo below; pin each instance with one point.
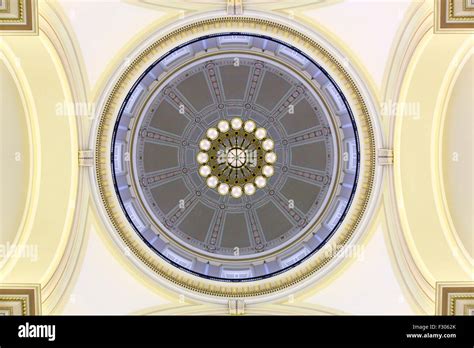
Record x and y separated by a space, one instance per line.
310 136
182 209
290 99
175 98
155 179
311 177
157 136
254 82
214 79
255 230
215 230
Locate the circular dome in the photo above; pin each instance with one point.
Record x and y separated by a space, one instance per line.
229 161
198 186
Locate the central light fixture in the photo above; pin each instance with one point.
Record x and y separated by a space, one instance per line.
236 157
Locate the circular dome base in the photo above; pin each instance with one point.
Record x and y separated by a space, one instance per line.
167 211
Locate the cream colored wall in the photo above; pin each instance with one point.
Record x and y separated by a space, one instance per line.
375 287
110 26
105 284
458 155
417 170
365 29
53 137
81 269
14 158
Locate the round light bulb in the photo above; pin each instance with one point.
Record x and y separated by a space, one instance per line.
270 157
267 171
249 189
236 191
212 133
268 144
205 171
260 133
260 181
212 181
236 123
205 144
223 126
249 126
202 157
223 189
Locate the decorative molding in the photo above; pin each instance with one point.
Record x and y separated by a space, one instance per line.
20 299
235 7
56 28
263 309
229 6
385 157
454 16
455 298
18 17
414 278
236 307
86 158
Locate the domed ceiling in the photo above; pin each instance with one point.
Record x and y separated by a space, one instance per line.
235 157
232 157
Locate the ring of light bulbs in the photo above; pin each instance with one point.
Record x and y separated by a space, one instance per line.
236 157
